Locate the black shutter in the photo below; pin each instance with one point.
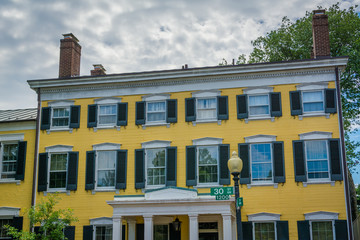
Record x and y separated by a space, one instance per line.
90 170
92 116
299 161
191 167
69 232
223 109
45 118
247 230
43 172
303 230
295 103
224 151
278 156
282 230
244 155
335 160
330 100
171 159
21 160
174 235
123 232
171 113
341 230
140 113
140 231
74 116
88 232
72 173
121 166
17 223
122 114
275 107
242 108
139 168
190 109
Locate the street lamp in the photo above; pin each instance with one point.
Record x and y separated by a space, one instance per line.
235 166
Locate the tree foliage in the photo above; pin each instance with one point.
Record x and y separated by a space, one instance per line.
293 41
51 221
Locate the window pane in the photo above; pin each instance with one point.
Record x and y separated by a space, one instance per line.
107 109
152 117
57 176
155 160
313 101
106 178
206 103
60 117
264 231
258 100
208 161
259 110
58 162
161 232
106 159
9 161
106 162
322 230
261 162
107 114
317 159
4 222
206 108
156 111
103 233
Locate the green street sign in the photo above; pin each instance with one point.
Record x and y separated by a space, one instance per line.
222 191
222 197
239 202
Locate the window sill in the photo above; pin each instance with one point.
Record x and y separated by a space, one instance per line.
106 127
275 185
10 181
155 125
48 131
117 191
332 183
259 118
207 186
327 115
206 121
57 191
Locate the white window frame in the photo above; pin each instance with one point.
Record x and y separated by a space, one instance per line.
66 170
98 115
52 117
259 115
2 145
313 87
208 94
152 98
257 222
146 168
258 91
10 220
322 216
97 170
56 105
271 162
313 112
263 217
147 112
328 161
8 213
101 222
198 110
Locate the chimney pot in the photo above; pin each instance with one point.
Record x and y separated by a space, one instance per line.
99 70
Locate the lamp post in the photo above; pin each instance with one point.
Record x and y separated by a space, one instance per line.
235 165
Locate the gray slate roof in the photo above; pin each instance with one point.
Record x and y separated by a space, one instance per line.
18 115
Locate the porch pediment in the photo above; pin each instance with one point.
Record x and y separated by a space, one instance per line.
170 193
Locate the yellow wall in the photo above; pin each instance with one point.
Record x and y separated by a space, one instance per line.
291 199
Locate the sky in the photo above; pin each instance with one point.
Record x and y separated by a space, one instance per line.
132 36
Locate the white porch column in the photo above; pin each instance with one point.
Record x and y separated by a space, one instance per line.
148 227
233 227
131 229
227 226
117 225
193 227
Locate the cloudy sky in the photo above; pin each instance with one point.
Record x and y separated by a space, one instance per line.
131 35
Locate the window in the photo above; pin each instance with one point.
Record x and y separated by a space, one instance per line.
105 169
156 112
60 117
12 157
9 160
264 230
208 164
322 230
206 109
107 115
161 232
103 233
58 170
259 105
261 162
317 159
313 101
156 166
4 222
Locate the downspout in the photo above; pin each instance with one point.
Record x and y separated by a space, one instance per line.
343 152
33 197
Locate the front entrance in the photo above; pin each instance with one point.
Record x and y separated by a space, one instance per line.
208 231
208 236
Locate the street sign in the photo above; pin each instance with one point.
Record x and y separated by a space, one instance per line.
239 202
222 191
222 197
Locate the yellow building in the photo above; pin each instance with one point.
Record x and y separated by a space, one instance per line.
134 154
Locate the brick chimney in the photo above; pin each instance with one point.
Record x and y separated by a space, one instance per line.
321 41
98 70
70 52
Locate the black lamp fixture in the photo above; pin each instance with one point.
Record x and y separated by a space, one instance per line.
176 224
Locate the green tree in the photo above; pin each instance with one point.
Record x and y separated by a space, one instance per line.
293 41
51 221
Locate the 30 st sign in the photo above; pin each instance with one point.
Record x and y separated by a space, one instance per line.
222 191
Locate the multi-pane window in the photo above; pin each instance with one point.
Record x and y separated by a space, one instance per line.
156 111
208 164
106 161
313 101
155 162
103 233
322 230
107 114
261 162
206 108
264 230
9 158
60 117
317 159
58 170
3 234
259 105
161 232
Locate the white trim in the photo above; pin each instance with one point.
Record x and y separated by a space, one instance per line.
321 215
51 190
260 138
318 180
263 216
107 100
207 141
16 126
101 221
61 103
312 86
106 146
314 135
206 94
258 90
58 148
12 137
156 144
9 211
156 97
